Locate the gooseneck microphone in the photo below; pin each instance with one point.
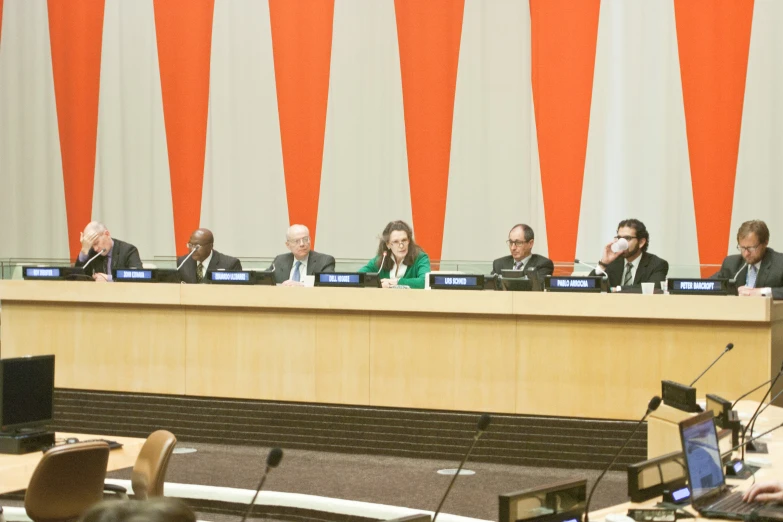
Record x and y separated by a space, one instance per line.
727 349
383 259
651 407
756 388
753 417
483 423
272 461
734 279
192 251
595 268
93 258
745 443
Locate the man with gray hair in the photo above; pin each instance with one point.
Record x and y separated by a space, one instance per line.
112 253
290 268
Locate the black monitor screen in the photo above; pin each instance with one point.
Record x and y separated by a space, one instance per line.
27 388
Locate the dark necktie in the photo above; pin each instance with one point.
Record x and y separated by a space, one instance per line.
200 273
627 280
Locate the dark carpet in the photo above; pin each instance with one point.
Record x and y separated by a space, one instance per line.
395 481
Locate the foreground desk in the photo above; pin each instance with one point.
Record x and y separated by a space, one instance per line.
16 470
579 355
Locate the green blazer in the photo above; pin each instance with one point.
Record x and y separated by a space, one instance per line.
413 276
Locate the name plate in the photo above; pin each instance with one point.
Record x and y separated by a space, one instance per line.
133 274
219 277
700 286
32 272
346 279
594 284
456 282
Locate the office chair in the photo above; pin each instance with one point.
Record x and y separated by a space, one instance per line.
149 471
67 481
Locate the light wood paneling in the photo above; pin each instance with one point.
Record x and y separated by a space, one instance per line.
638 306
342 358
442 362
101 346
89 292
349 299
612 368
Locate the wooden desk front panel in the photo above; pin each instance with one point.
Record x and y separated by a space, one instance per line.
278 355
612 369
109 347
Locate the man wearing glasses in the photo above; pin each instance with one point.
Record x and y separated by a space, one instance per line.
757 268
633 265
520 244
204 258
291 268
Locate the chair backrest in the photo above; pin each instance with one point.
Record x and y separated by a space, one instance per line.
67 481
149 472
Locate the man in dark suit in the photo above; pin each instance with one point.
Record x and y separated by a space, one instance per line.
757 267
634 265
520 243
112 254
204 258
291 268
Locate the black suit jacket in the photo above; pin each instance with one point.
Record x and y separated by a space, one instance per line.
651 269
543 266
187 273
123 255
770 273
315 263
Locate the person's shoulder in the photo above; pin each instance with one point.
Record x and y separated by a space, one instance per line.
505 258
538 258
320 255
653 258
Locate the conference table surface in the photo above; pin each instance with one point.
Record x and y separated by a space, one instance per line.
537 353
16 470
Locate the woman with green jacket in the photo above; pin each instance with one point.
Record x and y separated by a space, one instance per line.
400 261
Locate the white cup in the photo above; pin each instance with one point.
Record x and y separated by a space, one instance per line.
309 281
648 288
665 286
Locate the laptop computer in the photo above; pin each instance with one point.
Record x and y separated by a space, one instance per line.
710 495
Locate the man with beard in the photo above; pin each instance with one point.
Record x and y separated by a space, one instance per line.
634 265
757 268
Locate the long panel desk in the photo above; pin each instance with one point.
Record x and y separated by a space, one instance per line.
580 355
16 470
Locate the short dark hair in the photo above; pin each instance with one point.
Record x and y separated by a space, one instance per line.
529 235
755 226
154 510
641 230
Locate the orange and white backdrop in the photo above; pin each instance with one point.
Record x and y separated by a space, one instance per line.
460 116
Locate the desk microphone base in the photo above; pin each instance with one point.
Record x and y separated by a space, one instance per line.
19 443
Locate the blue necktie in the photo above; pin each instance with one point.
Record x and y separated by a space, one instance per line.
751 282
297 277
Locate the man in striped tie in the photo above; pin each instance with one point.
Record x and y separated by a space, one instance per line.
631 264
757 269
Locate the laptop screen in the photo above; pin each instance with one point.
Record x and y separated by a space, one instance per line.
702 456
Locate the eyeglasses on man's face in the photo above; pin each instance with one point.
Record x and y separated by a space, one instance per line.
519 243
627 238
191 246
301 241
749 249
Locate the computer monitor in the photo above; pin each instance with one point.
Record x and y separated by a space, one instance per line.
26 392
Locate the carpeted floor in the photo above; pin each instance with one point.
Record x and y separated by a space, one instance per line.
396 481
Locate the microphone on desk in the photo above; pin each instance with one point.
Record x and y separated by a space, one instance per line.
651 407
745 443
727 349
192 251
272 461
576 261
756 388
483 423
93 258
383 259
734 279
753 417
